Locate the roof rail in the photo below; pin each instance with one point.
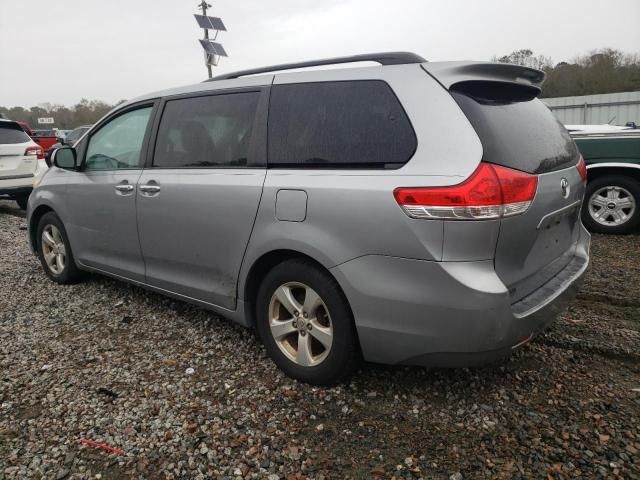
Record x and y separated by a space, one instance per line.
389 58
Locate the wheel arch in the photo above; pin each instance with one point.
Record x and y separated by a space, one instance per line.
34 219
263 264
596 171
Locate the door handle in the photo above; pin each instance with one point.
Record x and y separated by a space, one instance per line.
124 188
149 188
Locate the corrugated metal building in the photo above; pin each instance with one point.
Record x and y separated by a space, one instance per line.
614 108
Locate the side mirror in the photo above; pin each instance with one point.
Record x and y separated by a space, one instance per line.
65 157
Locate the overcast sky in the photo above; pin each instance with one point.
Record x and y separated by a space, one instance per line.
60 51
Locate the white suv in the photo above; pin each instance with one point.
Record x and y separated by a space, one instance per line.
21 162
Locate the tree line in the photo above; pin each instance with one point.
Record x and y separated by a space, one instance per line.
599 71
85 112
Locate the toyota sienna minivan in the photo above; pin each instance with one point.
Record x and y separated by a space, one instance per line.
403 213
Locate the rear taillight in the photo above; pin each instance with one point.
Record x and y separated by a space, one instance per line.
492 191
37 151
582 169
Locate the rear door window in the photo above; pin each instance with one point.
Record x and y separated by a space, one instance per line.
12 133
350 124
206 131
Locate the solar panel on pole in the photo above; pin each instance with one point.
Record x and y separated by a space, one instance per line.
213 48
217 24
213 23
202 21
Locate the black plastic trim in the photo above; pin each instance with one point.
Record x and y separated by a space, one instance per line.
15 190
16 177
388 58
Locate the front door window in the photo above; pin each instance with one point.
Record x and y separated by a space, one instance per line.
118 144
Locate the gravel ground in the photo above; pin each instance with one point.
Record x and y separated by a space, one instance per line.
185 394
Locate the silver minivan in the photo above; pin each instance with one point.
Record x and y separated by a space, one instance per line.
411 212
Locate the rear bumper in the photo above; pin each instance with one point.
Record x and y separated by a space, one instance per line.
448 314
15 190
16 184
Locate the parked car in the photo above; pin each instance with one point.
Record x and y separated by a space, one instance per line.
406 213
45 138
613 191
74 135
21 162
62 134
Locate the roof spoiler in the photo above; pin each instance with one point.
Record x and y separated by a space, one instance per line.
453 73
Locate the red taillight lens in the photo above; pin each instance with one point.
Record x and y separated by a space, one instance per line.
582 169
492 191
37 151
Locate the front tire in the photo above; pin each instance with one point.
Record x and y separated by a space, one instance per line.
305 323
612 205
55 252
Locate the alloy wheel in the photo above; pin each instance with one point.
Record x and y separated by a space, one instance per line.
300 324
612 206
53 249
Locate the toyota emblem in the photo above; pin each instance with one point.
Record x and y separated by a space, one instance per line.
564 184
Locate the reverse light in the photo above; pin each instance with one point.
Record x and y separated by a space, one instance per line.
37 151
491 192
582 169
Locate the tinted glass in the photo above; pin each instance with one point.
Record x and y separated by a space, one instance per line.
211 131
524 135
119 142
356 124
12 133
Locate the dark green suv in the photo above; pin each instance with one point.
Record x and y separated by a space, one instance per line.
612 200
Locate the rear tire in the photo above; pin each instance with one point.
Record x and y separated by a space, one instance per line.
612 205
22 200
310 334
55 252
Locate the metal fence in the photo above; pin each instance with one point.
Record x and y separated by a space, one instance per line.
614 108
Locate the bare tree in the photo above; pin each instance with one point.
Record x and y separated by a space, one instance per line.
526 58
600 71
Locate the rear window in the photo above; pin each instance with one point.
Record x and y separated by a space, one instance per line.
354 124
12 133
524 135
